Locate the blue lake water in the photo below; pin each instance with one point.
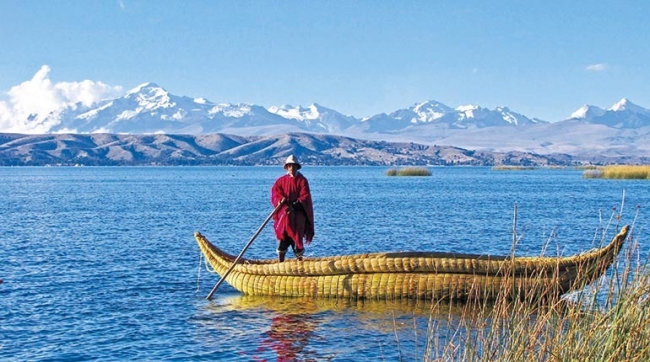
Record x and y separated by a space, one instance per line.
101 263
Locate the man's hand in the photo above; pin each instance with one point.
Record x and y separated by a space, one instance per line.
296 206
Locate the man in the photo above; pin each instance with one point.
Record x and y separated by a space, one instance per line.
294 221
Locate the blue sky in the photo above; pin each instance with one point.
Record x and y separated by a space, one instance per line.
543 59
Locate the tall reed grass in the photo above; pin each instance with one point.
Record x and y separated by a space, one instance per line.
638 172
608 321
409 171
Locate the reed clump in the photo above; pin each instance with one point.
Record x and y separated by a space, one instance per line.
586 167
636 172
592 173
513 168
409 171
609 321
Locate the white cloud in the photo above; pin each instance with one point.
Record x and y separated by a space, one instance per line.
600 67
34 106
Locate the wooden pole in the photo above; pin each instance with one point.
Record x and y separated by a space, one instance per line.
244 250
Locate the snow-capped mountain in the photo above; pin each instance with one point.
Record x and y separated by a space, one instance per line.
587 112
419 113
621 130
150 109
147 108
316 117
624 105
435 113
623 114
475 116
426 112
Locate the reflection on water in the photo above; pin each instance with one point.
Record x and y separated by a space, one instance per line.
288 336
292 326
304 329
369 308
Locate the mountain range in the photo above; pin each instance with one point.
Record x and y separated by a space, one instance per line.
103 149
622 130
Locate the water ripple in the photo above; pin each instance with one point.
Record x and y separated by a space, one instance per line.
100 263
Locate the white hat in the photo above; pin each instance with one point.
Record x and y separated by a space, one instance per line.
292 159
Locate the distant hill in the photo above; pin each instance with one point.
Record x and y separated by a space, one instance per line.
221 149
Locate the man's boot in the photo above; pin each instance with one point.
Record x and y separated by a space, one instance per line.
299 253
281 256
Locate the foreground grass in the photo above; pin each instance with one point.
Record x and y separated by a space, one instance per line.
637 172
607 322
409 171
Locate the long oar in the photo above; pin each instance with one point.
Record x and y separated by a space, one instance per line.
244 250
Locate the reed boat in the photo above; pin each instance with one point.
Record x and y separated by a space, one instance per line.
415 275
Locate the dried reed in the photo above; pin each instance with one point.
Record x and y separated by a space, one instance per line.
608 321
586 167
638 172
513 168
409 171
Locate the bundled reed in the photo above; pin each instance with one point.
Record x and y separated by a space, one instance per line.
415 275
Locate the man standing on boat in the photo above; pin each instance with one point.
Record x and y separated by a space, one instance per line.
294 221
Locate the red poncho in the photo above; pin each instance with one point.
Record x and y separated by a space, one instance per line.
296 225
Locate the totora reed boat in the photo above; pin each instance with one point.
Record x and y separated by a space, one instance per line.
415 275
